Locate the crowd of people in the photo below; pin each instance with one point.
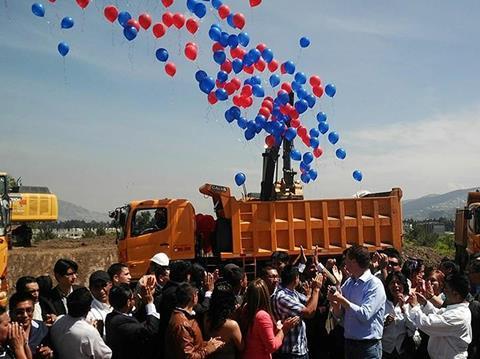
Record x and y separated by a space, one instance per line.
361 305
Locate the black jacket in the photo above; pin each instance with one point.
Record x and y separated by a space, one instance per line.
128 338
53 304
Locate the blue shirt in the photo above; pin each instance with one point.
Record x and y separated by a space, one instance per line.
364 319
289 303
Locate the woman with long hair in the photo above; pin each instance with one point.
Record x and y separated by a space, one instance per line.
218 322
263 336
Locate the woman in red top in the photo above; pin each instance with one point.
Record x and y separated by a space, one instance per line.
263 337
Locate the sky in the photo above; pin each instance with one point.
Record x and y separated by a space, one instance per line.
106 125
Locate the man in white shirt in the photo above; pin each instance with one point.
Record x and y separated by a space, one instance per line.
99 285
449 328
72 336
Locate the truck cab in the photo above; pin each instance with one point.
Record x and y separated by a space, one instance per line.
467 229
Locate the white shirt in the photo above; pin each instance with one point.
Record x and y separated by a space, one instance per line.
449 329
74 338
37 312
394 333
99 311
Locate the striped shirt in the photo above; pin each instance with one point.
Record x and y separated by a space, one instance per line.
289 303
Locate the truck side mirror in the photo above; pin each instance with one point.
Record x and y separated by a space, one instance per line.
122 218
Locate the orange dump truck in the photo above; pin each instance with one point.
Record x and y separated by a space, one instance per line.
467 230
250 229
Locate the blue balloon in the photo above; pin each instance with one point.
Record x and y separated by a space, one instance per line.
63 48
301 106
243 39
330 90
304 42
123 18
314 142
191 5
240 178
313 174
230 21
162 55
255 80
38 9
296 86
214 33
229 116
255 55
321 117
258 91
323 127
233 41
305 177
224 39
199 75
301 78
340 153
207 84
237 65
219 57
242 122
333 137
295 154
284 97
67 23
221 94
267 55
222 76
200 10
290 134
314 132
216 4
302 93
274 80
304 167
130 32
307 157
236 112
260 120
357 175
289 67
310 100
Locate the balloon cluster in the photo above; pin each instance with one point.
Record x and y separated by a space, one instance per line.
248 74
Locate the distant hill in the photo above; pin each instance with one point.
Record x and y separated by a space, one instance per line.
69 211
435 205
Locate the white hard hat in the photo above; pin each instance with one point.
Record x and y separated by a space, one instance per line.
161 259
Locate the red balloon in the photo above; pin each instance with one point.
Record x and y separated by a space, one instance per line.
248 102
317 152
145 20
246 90
212 99
254 3
237 100
306 141
230 88
318 91
237 82
52 1
315 81
261 47
192 26
273 65
287 87
282 69
167 19
270 141
239 20
260 65
83 3
249 69
111 13
295 122
217 47
223 11
264 111
170 69
178 20
268 105
191 51
159 30
167 3
134 23
226 66
219 84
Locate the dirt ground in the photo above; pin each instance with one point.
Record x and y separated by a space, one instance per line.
98 253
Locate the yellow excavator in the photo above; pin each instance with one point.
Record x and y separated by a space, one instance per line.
19 206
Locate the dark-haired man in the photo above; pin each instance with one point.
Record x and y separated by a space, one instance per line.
12 338
29 285
449 328
65 271
72 336
119 273
270 277
361 305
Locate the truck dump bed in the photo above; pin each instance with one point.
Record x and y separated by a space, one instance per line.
259 228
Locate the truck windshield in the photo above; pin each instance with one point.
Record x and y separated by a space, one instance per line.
149 220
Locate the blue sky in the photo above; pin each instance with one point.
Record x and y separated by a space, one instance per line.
106 125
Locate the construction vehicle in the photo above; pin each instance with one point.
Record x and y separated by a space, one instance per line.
467 230
253 227
20 206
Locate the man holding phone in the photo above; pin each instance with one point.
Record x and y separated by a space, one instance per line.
360 304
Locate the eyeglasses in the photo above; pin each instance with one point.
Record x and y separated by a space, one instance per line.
28 310
393 264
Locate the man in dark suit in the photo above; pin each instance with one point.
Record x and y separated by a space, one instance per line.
126 336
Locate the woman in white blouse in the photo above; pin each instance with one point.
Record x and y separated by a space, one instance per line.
398 330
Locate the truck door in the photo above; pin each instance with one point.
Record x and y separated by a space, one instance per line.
149 234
